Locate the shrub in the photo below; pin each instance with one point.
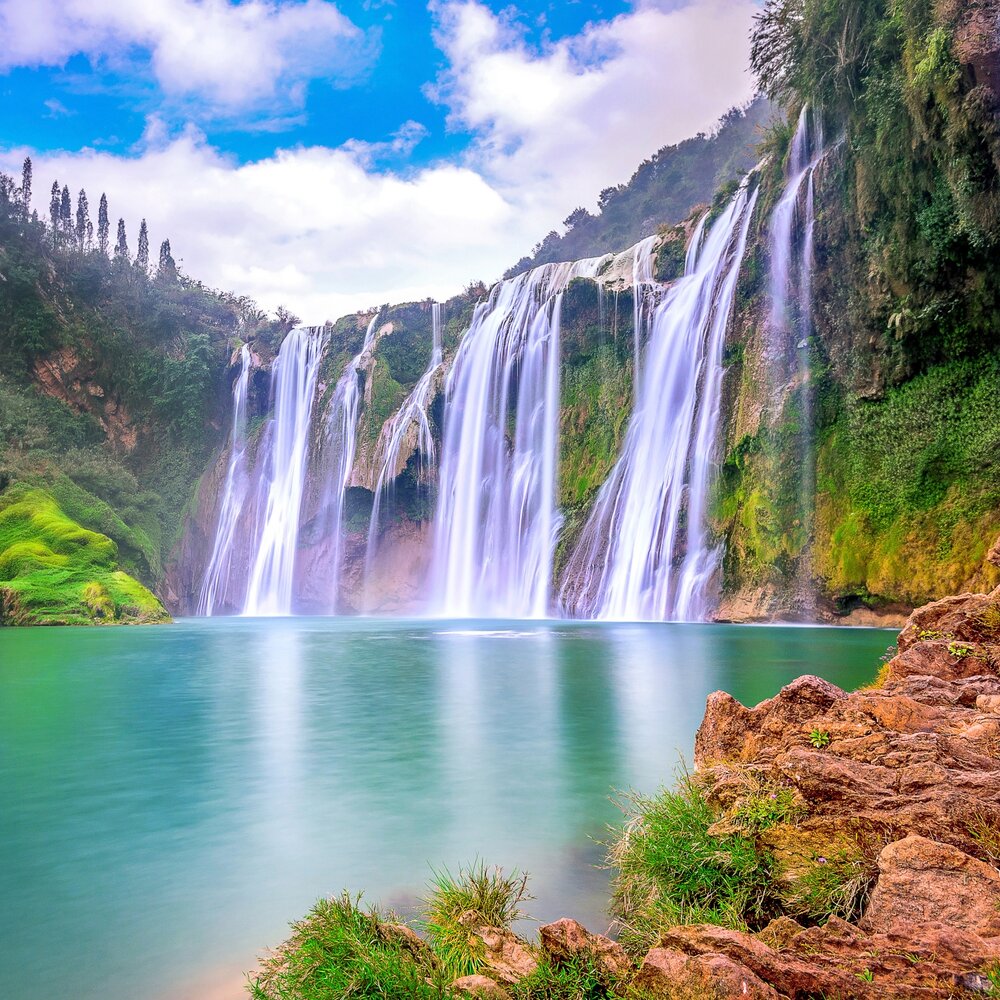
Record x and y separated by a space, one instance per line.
341 950
670 870
477 896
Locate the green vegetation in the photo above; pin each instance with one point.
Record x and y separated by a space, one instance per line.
55 572
670 870
819 739
477 897
342 950
662 190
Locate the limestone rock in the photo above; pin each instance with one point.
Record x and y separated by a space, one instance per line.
921 881
669 973
566 940
480 987
505 955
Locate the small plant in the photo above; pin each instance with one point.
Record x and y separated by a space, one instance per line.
985 831
992 973
819 739
765 805
890 654
928 634
837 883
867 976
477 896
960 650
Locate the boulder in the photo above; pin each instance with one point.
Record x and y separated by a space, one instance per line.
566 941
672 975
921 881
479 987
505 955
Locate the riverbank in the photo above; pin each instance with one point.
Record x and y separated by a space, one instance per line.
827 843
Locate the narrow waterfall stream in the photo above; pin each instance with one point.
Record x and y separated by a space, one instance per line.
643 554
234 493
496 522
411 419
340 441
293 381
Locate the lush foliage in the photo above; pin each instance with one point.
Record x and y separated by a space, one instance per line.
662 190
53 571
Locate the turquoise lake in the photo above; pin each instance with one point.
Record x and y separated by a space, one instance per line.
171 797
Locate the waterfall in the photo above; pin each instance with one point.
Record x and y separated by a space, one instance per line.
411 418
496 522
341 442
214 587
293 384
645 293
791 275
643 553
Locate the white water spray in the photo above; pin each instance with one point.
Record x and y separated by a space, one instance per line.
643 554
234 491
496 522
294 385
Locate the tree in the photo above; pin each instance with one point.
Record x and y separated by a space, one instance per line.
66 212
54 207
26 187
167 268
103 225
121 245
82 220
142 254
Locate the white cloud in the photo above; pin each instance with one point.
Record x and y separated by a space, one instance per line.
323 232
563 123
230 57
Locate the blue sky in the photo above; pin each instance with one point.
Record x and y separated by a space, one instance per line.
331 155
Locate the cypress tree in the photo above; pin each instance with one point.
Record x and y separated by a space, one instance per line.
54 206
167 269
66 212
82 219
142 255
121 244
103 225
26 187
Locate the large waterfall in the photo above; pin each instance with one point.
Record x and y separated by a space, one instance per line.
234 492
643 553
496 522
411 420
293 382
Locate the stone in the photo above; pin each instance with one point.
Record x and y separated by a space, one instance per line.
480 987
505 955
921 881
673 975
566 940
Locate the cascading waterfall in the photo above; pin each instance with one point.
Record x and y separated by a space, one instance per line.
234 492
645 294
496 522
341 443
293 381
412 416
643 553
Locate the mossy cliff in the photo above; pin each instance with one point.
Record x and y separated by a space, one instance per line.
55 572
869 487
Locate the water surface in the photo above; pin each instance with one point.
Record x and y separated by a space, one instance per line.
170 797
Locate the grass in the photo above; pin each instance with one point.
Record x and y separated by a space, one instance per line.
837 883
670 870
341 950
579 980
53 571
476 896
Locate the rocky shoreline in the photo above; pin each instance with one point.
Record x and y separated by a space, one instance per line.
892 790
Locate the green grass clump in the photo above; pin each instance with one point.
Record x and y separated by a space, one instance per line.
837 883
477 896
53 571
341 950
671 871
578 980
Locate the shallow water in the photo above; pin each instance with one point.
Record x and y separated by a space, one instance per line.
170 797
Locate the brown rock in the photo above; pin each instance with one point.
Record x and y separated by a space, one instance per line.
506 956
673 975
566 940
407 938
480 987
922 881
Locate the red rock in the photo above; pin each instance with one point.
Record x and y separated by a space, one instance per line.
480 987
566 940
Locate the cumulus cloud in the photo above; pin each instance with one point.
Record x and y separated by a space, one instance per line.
230 57
326 231
580 114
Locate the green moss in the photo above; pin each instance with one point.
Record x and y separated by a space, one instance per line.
53 571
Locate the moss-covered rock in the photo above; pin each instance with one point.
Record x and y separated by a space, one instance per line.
55 572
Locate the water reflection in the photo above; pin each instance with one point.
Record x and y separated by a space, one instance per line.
171 797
